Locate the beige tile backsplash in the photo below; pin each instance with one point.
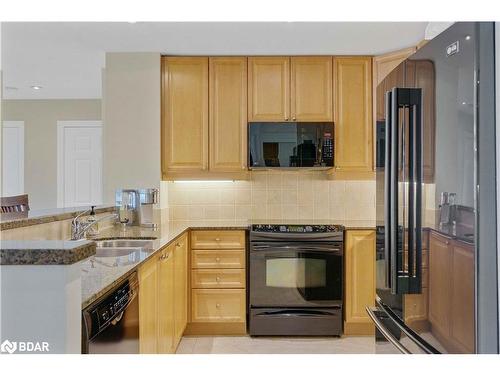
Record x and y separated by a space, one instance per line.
273 195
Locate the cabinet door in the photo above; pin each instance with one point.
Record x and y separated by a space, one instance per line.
440 283
180 285
462 298
269 88
184 114
311 89
148 307
353 114
166 302
228 113
360 280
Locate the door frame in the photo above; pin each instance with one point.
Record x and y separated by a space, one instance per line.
61 126
19 124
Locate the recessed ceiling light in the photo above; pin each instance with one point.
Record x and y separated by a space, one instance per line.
35 87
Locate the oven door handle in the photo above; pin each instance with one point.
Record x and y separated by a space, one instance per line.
332 249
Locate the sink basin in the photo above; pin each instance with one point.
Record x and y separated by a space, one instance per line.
130 252
125 244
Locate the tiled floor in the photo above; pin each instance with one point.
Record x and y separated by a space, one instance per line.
278 345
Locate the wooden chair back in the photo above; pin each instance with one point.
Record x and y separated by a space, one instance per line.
18 203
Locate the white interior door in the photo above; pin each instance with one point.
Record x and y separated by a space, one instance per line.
12 158
80 148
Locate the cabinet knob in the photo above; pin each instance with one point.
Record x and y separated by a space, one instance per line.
294 118
217 278
217 239
217 305
217 260
178 244
286 118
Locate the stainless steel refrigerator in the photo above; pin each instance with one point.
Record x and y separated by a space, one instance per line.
436 259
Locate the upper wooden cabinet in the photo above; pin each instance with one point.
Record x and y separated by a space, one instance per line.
228 114
269 88
311 89
352 80
185 114
295 88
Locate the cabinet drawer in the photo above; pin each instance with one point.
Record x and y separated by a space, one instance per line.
218 278
218 305
217 239
217 259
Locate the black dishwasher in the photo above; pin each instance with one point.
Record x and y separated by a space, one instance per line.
111 324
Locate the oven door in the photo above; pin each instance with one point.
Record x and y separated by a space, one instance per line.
294 274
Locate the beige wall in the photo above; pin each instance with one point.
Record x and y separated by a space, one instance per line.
273 196
40 147
131 115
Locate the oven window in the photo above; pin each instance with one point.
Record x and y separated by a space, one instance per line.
295 272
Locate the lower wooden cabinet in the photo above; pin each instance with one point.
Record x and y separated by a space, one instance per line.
359 281
218 305
218 283
166 302
163 299
148 306
451 293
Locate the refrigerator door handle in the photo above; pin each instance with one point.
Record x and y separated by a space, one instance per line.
371 311
387 190
393 181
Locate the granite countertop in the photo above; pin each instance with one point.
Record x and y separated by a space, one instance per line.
35 217
45 252
99 275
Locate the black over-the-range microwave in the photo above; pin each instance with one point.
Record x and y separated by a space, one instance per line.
290 145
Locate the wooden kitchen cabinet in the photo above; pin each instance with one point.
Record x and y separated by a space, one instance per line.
269 88
184 127
311 88
166 302
180 288
163 299
228 114
352 82
218 282
148 307
451 293
359 281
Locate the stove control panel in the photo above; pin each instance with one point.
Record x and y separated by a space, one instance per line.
277 228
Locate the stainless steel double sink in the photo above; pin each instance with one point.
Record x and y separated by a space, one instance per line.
122 247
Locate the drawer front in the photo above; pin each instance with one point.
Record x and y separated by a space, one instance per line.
218 305
218 239
218 278
217 259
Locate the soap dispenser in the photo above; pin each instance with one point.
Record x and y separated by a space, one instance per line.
93 229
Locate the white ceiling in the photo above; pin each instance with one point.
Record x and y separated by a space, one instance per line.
66 58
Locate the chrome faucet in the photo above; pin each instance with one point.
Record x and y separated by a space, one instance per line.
78 229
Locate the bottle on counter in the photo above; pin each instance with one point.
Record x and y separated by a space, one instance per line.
93 230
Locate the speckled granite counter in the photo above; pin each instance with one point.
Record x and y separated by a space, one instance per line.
44 252
99 275
35 217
